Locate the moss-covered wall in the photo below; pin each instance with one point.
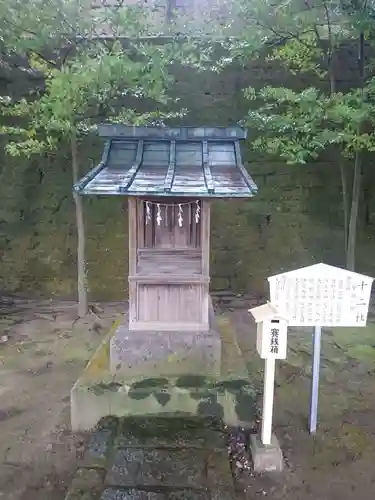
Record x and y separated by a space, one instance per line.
296 218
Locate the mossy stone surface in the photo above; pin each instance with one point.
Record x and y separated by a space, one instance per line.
175 458
295 219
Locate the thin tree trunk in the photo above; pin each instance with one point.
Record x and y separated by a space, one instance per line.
332 76
345 204
352 233
366 200
340 159
81 264
357 176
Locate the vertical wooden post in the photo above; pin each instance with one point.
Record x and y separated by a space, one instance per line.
314 396
205 238
269 384
132 221
205 244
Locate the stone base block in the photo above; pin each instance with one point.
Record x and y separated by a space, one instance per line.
208 379
90 403
153 353
266 458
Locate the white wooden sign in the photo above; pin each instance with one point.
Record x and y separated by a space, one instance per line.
273 341
271 332
271 345
321 295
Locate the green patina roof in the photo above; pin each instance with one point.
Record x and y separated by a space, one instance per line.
159 161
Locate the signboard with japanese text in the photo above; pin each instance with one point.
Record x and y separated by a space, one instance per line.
272 339
322 295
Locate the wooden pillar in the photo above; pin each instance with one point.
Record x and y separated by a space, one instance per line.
205 243
132 216
205 238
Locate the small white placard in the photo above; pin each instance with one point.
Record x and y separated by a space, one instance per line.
273 340
271 331
322 295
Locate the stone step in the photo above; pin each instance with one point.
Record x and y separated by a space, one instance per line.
185 494
155 459
156 468
137 494
177 434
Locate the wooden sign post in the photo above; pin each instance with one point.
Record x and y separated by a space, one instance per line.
271 345
268 395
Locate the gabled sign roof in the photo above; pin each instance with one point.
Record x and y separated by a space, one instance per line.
264 312
318 269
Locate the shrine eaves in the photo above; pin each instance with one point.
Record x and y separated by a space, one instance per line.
203 162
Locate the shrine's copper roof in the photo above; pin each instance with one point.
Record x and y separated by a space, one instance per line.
159 161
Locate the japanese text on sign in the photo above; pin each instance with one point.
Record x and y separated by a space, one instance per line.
273 340
340 299
274 347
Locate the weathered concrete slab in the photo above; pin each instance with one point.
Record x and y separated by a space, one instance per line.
90 403
136 494
223 494
266 458
135 353
218 473
189 462
99 444
89 481
159 391
153 432
157 468
168 353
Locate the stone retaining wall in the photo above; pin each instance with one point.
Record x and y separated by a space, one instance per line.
295 220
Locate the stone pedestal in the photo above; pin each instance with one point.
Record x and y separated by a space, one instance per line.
155 354
165 374
266 458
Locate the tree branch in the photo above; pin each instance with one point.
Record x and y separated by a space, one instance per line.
287 35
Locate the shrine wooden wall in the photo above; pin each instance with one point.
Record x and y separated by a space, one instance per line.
168 266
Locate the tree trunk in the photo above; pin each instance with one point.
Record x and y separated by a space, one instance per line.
340 159
357 176
366 200
345 204
81 264
352 232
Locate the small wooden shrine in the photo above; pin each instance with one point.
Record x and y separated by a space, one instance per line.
169 175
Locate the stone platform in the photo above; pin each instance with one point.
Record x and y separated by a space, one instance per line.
155 459
166 353
169 352
165 386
